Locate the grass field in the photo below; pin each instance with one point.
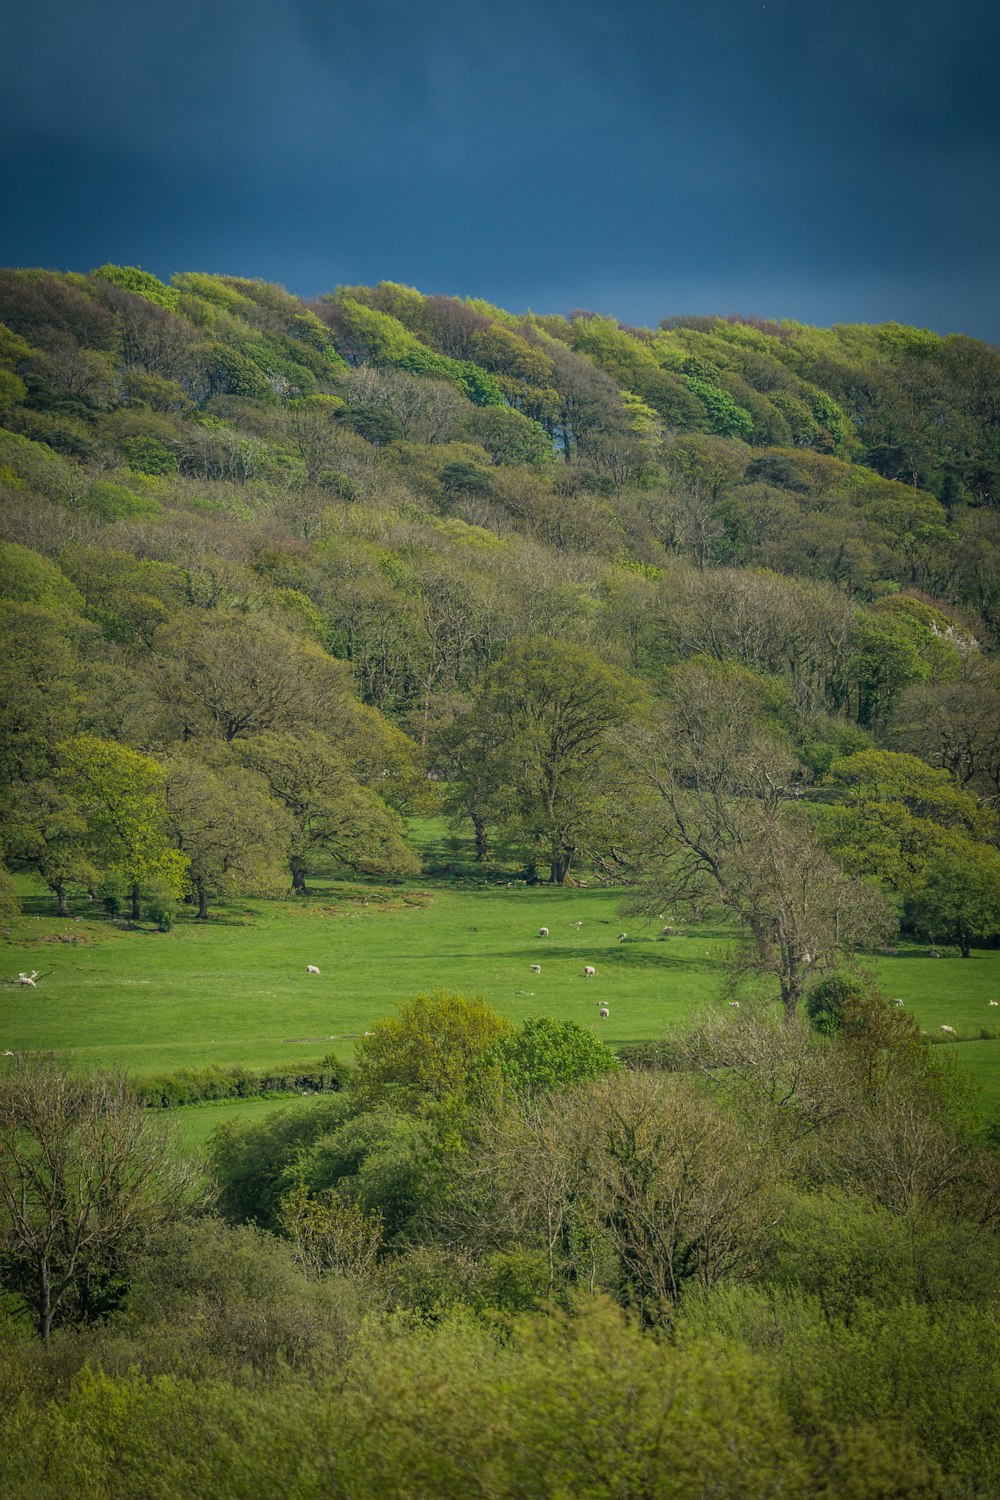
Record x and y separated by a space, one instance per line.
235 989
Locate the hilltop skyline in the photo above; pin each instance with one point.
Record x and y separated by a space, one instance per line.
772 158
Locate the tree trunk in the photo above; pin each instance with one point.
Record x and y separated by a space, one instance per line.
202 902
62 909
299 878
964 948
482 849
559 868
791 992
45 1308
136 913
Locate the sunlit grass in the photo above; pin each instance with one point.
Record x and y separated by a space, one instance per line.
235 990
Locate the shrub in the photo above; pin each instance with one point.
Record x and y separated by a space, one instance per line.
826 1000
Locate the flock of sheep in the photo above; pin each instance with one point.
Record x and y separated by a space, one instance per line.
589 971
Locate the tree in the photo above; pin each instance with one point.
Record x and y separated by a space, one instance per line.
550 709
913 826
469 752
46 828
510 438
234 675
121 796
956 725
10 906
545 1054
329 1233
958 897
330 812
233 835
39 692
678 1189
422 1055
718 825
85 1179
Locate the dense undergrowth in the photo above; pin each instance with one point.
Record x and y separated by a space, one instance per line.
499 1265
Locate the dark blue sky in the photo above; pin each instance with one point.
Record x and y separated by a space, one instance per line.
798 158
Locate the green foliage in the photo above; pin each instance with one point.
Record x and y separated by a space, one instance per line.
12 391
826 999
28 577
147 455
10 906
421 1057
116 502
545 1054
328 811
251 1163
84 1178
329 1233
382 339
957 897
383 1163
543 726
142 283
510 438
121 795
196 1085
912 825
725 417
36 467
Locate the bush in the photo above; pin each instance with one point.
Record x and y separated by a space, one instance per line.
200 1085
826 1000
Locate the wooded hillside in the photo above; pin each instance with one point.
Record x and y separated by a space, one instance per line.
268 563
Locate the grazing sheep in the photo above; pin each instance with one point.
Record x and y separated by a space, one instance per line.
589 971
576 924
994 1002
543 932
604 1013
734 1005
897 1002
666 932
8 1054
311 969
949 1029
28 978
536 968
622 936
933 953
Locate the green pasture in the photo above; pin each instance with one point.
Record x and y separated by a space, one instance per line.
234 990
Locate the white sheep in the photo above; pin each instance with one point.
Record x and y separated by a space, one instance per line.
28 978
622 937
543 932
604 1013
8 1054
666 932
949 1029
897 1002
311 969
993 1002
536 968
734 1005
589 971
